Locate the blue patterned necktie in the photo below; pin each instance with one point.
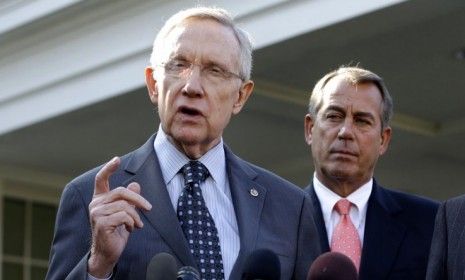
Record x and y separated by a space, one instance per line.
198 225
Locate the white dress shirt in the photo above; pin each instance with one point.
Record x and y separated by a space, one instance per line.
358 210
215 191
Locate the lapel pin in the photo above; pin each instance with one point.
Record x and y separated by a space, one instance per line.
253 192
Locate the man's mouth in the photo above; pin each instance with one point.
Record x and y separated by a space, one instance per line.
344 152
190 111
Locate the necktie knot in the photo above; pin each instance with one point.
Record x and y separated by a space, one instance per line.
194 172
342 207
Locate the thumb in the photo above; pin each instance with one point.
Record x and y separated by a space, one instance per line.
135 187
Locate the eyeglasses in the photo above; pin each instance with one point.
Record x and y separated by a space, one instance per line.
182 69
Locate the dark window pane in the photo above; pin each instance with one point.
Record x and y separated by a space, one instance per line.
13 226
12 271
43 220
38 273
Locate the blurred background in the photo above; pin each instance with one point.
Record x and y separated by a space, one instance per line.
72 95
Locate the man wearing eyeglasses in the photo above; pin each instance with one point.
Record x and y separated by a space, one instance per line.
184 192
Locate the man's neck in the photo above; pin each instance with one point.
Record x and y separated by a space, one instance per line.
193 152
342 186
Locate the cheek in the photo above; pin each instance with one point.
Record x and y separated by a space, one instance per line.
221 112
320 144
165 107
220 116
371 145
223 104
326 135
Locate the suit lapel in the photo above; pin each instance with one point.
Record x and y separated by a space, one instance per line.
383 235
318 217
146 169
247 207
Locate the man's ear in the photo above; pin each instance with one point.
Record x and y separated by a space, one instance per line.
151 85
308 126
385 139
244 93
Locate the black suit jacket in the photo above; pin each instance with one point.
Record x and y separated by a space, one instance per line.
279 218
447 255
398 232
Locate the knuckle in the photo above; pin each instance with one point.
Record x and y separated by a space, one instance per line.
134 215
93 214
99 175
130 220
95 202
119 190
128 217
121 204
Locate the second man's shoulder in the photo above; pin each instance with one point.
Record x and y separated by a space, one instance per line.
412 202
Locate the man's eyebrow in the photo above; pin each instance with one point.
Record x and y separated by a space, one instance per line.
359 114
208 62
177 57
364 115
214 62
335 108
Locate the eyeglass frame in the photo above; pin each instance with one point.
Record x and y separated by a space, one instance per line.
223 73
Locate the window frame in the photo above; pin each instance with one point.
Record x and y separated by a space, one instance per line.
33 189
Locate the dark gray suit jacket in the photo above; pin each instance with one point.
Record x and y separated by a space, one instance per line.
279 219
447 255
397 238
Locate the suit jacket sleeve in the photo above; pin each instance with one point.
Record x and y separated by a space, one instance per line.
437 258
72 237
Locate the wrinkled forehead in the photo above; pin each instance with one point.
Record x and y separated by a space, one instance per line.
345 91
345 84
200 38
334 85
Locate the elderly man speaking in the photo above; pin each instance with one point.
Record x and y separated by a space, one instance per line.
184 192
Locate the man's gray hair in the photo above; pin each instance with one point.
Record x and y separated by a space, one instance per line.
217 14
354 75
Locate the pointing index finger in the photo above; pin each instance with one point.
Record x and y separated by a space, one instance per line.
101 179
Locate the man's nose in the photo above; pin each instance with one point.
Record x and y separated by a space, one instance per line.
346 131
193 82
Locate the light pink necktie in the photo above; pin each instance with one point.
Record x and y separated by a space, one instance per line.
345 238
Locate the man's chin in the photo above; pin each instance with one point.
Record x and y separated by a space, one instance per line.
192 138
187 138
341 172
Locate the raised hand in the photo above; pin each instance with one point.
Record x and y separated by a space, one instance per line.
113 216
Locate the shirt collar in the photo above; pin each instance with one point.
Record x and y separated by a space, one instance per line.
328 198
172 160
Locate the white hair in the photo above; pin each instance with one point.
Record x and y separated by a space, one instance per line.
217 14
